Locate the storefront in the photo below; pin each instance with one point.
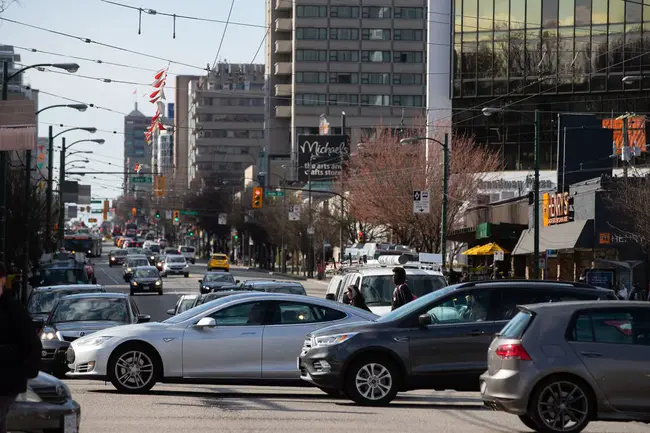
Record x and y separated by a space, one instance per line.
578 239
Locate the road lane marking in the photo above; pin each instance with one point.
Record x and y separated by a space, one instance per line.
108 275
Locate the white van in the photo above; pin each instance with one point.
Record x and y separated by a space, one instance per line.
189 253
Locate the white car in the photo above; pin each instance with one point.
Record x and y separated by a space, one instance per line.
175 265
189 253
243 338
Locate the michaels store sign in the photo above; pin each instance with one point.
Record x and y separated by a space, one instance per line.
504 185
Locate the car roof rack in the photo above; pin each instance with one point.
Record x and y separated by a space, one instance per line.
423 261
537 282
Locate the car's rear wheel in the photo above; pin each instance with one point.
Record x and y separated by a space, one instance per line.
372 381
133 369
561 404
528 422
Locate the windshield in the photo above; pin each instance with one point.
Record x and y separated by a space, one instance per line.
186 304
154 248
119 253
61 277
138 262
220 257
417 304
171 251
377 290
146 273
290 290
187 250
175 259
225 278
132 251
75 310
42 302
78 244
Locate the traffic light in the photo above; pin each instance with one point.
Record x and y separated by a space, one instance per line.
177 216
157 214
236 235
258 192
191 233
134 211
138 167
361 237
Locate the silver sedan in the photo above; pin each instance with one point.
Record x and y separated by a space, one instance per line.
244 338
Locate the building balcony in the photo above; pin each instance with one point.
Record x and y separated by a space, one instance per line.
283 47
283 111
283 90
283 68
283 25
282 5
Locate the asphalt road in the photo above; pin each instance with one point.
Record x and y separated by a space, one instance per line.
174 408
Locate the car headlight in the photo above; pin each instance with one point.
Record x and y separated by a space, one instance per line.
29 396
152 257
158 283
331 340
134 283
112 259
48 336
92 340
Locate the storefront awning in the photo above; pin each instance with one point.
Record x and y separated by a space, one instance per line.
484 250
567 236
472 251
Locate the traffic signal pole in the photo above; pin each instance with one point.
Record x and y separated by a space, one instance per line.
61 231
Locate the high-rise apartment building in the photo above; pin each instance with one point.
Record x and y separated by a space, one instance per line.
137 153
226 123
182 105
367 59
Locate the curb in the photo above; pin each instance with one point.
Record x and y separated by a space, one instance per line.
289 276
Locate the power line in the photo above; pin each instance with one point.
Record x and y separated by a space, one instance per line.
223 35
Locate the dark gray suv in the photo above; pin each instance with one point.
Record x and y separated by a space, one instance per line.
438 341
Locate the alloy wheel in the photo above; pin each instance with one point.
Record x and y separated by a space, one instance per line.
134 370
373 381
563 406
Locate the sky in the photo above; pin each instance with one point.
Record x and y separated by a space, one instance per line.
195 45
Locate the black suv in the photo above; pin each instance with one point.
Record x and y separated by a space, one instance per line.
438 341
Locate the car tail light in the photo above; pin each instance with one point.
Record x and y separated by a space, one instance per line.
513 351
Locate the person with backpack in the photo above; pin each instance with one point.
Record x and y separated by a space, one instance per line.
20 349
402 295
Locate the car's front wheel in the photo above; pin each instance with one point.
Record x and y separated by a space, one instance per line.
133 369
372 381
561 404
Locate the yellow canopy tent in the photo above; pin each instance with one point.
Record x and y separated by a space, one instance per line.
473 251
489 249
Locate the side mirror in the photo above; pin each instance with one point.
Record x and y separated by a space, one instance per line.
330 296
143 318
425 320
200 281
171 312
206 322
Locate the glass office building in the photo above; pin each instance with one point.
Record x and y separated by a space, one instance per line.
553 55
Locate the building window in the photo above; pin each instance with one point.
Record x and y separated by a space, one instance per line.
344 56
311 33
375 78
375 34
376 12
310 99
407 100
344 34
203 117
344 99
205 101
344 78
407 57
409 35
375 100
311 55
257 134
344 11
311 77
311 11
407 79
375 56
409 13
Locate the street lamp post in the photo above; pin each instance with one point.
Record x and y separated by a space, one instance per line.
445 188
488 111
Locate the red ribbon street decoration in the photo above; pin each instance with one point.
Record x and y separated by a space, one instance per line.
157 96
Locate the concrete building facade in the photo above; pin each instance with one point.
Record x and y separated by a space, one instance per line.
182 106
136 151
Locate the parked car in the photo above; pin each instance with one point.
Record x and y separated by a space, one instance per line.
219 262
116 257
146 279
131 264
184 303
82 314
202 299
42 300
437 341
215 280
175 265
46 406
258 336
560 366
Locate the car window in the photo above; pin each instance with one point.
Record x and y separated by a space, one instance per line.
292 313
138 262
146 273
605 327
187 249
246 314
377 290
119 252
76 310
290 290
467 306
226 278
41 302
175 259
516 327
185 304
220 257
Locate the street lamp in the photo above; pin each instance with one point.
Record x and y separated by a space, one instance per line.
445 187
488 111
629 79
85 152
78 107
74 161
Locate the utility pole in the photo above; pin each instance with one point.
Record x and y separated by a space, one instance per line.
26 209
3 174
625 149
343 129
310 252
536 200
445 193
61 230
50 191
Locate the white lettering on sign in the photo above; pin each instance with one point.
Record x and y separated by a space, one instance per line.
324 149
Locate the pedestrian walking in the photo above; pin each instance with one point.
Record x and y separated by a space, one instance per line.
20 349
356 298
402 294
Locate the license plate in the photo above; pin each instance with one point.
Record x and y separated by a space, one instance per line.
70 424
145 287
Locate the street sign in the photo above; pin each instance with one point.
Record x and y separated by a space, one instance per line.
98 211
168 214
95 202
223 219
142 179
421 202
274 193
551 254
498 256
189 212
311 231
294 212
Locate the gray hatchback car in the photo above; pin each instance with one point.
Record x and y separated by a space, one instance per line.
559 366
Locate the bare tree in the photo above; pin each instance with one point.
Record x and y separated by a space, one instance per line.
631 200
384 174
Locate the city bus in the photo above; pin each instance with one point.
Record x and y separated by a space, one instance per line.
89 244
131 230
